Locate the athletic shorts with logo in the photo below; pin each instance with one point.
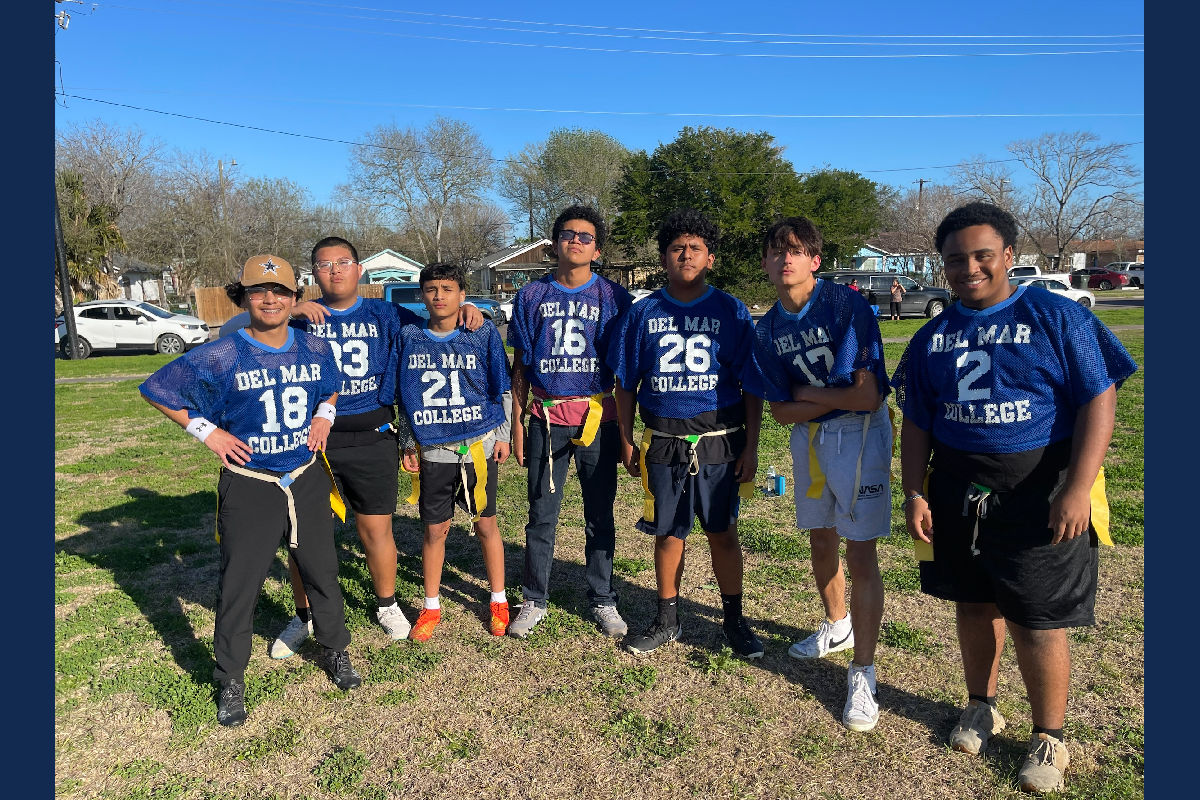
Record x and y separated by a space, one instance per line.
860 510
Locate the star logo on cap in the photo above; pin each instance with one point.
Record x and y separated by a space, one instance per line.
270 267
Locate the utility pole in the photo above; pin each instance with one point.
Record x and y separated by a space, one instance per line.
64 281
917 226
530 187
229 265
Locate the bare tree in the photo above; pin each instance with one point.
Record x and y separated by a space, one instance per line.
1075 184
414 176
572 166
117 165
474 229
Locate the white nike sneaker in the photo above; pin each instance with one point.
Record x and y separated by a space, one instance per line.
829 638
290 639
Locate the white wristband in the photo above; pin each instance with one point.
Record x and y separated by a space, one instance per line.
326 411
200 428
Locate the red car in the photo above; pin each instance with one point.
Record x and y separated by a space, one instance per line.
1100 278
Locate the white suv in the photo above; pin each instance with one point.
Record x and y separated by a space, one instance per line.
130 325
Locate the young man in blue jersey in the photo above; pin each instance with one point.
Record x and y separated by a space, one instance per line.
819 362
263 400
454 388
1009 402
362 447
560 330
679 354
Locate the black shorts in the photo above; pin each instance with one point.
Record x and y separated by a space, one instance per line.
1033 583
442 488
679 499
366 465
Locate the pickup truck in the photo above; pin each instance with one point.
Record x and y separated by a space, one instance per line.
408 295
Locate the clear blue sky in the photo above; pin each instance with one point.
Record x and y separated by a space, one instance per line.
894 91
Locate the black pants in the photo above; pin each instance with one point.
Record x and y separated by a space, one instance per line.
252 518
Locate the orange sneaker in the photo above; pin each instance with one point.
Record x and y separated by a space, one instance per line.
423 629
499 618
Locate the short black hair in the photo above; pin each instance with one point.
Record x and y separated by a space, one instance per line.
444 271
237 293
585 213
688 222
977 213
333 241
801 229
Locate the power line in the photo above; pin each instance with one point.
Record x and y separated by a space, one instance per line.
635 51
352 143
635 32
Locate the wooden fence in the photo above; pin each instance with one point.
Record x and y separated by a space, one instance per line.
215 308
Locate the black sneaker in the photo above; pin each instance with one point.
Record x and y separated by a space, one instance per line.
337 664
659 634
231 703
742 640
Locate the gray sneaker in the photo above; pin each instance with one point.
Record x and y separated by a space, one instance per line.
610 621
393 621
1044 765
527 617
979 723
290 639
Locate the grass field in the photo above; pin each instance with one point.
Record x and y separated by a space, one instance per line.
564 714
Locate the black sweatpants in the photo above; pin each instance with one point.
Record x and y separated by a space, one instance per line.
252 518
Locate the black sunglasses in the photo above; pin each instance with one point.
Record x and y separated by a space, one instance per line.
568 235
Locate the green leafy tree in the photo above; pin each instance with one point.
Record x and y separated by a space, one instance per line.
846 207
90 234
740 180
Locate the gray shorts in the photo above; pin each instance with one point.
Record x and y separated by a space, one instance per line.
860 509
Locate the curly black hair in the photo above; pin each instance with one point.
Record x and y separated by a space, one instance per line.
790 231
585 213
333 241
977 213
444 271
685 222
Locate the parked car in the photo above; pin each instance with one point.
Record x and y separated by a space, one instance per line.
1025 271
1099 278
1134 270
506 309
486 304
1081 296
640 294
129 325
919 300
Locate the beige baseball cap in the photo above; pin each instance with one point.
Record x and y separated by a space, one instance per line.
267 268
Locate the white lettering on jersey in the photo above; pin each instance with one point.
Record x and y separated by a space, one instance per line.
253 379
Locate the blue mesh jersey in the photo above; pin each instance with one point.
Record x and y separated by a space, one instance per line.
563 334
823 344
451 385
1011 377
263 396
683 358
363 339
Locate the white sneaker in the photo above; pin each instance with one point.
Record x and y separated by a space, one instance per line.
862 705
394 622
829 638
289 641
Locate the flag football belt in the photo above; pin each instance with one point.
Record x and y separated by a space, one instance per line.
745 490
284 482
976 501
473 451
591 424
